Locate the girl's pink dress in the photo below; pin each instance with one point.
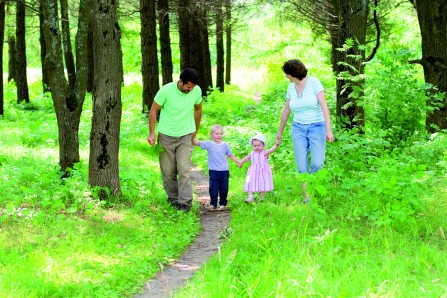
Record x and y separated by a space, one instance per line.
259 174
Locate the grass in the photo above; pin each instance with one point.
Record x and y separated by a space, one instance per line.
353 240
347 242
56 239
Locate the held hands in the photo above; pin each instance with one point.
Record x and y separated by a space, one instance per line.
278 139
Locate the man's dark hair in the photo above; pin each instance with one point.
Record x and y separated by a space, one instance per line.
295 68
189 75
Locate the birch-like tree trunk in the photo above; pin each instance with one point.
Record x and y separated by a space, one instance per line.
107 106
67 102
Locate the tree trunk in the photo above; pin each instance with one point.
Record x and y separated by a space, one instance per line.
21 81
206 57
352 25
196 47
184 16
12 59
66 40
149 67
165 41
2 38
107 106
67 102
90 60
228 41
433 23
219 48
334 11
43 51
194 43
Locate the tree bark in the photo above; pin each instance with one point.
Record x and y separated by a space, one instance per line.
21 81
228 29
66 41
107 106
184 15
43 51
220 84
67 102
194 43
2 38
149 67
165 41
433 23
90 60
352 25
12 59
206 57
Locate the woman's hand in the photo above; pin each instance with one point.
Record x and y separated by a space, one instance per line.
278 138
329 136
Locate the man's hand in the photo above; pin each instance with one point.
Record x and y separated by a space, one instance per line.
151 140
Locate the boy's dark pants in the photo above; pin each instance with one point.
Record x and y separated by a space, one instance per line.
219 187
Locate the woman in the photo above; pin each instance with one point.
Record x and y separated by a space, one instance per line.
311 121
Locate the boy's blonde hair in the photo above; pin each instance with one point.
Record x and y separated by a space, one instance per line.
216 127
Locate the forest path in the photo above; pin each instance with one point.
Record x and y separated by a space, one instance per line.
203 247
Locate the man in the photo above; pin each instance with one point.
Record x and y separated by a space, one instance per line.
181 111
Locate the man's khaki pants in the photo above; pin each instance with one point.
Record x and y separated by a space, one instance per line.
175 165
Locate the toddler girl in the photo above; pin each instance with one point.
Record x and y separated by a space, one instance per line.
259 174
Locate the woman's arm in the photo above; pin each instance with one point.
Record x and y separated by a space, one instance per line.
283 120
327 118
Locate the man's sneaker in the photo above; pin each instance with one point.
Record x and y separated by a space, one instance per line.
249 200
306 201
212 208
222 208
184 208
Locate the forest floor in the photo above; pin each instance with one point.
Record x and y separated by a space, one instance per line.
214 225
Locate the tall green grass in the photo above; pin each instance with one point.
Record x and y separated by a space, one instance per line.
375 227
353 239
56 238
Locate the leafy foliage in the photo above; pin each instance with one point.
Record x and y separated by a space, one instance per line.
378 210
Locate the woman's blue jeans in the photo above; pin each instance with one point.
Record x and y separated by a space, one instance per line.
309 138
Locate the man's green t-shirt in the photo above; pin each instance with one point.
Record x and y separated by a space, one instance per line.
177 110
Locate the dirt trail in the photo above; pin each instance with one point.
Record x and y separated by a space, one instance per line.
204 246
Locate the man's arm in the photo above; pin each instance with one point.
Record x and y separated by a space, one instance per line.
197 116
152 119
